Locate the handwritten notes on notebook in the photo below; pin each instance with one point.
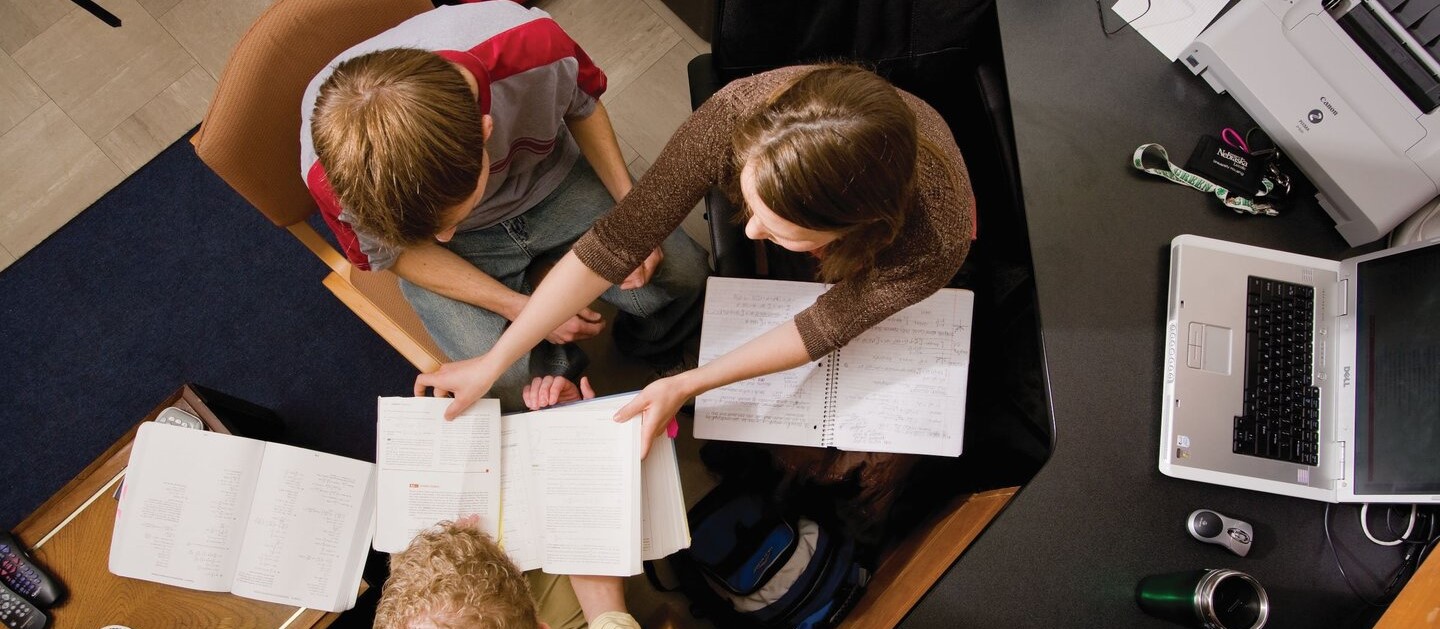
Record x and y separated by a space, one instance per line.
899 387
221 513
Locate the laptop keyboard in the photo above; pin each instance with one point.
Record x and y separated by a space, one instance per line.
1281 417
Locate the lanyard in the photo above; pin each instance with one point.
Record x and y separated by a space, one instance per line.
1185 178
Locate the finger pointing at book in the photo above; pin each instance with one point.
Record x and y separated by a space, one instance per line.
465 380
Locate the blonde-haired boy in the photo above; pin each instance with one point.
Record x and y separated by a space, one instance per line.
453 576
465 149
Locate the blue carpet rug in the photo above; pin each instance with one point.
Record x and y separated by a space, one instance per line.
173 278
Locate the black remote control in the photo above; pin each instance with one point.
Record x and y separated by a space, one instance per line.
23 576
18 613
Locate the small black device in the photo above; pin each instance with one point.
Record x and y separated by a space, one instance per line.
1237 170
18 613
22 576
1211 527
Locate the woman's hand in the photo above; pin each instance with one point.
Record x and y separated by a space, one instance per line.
552 390
466 380
656 405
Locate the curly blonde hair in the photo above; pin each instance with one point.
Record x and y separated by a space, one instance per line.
455 576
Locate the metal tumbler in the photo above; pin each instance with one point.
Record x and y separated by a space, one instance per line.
1217 598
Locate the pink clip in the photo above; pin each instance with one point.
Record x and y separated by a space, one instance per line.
1233 138
673 430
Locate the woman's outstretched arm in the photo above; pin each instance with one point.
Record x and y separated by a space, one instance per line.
776 350
569 287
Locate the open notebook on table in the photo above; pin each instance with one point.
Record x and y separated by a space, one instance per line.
898 387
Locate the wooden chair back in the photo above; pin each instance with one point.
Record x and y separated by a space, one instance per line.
250 137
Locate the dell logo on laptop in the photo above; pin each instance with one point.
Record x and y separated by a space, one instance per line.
1345 376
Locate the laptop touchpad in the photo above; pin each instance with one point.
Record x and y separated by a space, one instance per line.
1208 348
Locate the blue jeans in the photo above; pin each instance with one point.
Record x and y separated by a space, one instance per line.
654 319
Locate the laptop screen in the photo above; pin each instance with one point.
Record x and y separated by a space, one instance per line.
1397 357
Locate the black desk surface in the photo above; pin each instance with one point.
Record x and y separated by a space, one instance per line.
1099 515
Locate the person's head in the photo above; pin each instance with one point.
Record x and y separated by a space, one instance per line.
402 139
453 576
829 162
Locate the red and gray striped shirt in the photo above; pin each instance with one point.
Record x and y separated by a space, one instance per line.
538 78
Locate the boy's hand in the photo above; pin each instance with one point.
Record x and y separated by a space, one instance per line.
642 274
552 390
585 324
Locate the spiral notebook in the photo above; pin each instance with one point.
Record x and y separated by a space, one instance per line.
899 387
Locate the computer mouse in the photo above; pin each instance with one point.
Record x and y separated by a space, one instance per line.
1213 528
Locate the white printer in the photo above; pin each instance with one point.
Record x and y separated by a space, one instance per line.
1347 89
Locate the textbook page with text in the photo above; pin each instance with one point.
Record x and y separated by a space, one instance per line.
431 469
562 489
589 504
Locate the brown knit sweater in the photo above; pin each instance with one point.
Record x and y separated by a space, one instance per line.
927 253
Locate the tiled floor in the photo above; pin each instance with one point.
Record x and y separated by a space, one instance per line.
83 105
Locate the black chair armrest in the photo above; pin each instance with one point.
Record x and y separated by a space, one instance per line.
704 80
734 254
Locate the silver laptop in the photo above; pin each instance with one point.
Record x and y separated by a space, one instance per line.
1302 376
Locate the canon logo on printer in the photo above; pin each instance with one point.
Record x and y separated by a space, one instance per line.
1234 159
1326 102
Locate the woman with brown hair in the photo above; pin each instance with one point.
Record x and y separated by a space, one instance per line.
830 160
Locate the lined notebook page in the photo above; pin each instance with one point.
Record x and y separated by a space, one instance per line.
898 387
785 407
901 384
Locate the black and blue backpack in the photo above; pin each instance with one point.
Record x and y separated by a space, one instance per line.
751 564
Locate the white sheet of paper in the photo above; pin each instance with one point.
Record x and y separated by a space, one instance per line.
1170 25
431 469
919 390
589 489
308 529
520 517
778 408
183 512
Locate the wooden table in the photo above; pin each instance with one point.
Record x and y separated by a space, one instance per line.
1418 605
70 536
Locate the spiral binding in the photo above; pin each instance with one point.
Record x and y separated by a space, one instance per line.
832 384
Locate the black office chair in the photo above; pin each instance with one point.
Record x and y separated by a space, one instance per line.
947 53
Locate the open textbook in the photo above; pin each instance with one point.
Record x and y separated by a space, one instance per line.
221 513
898 387
562 489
